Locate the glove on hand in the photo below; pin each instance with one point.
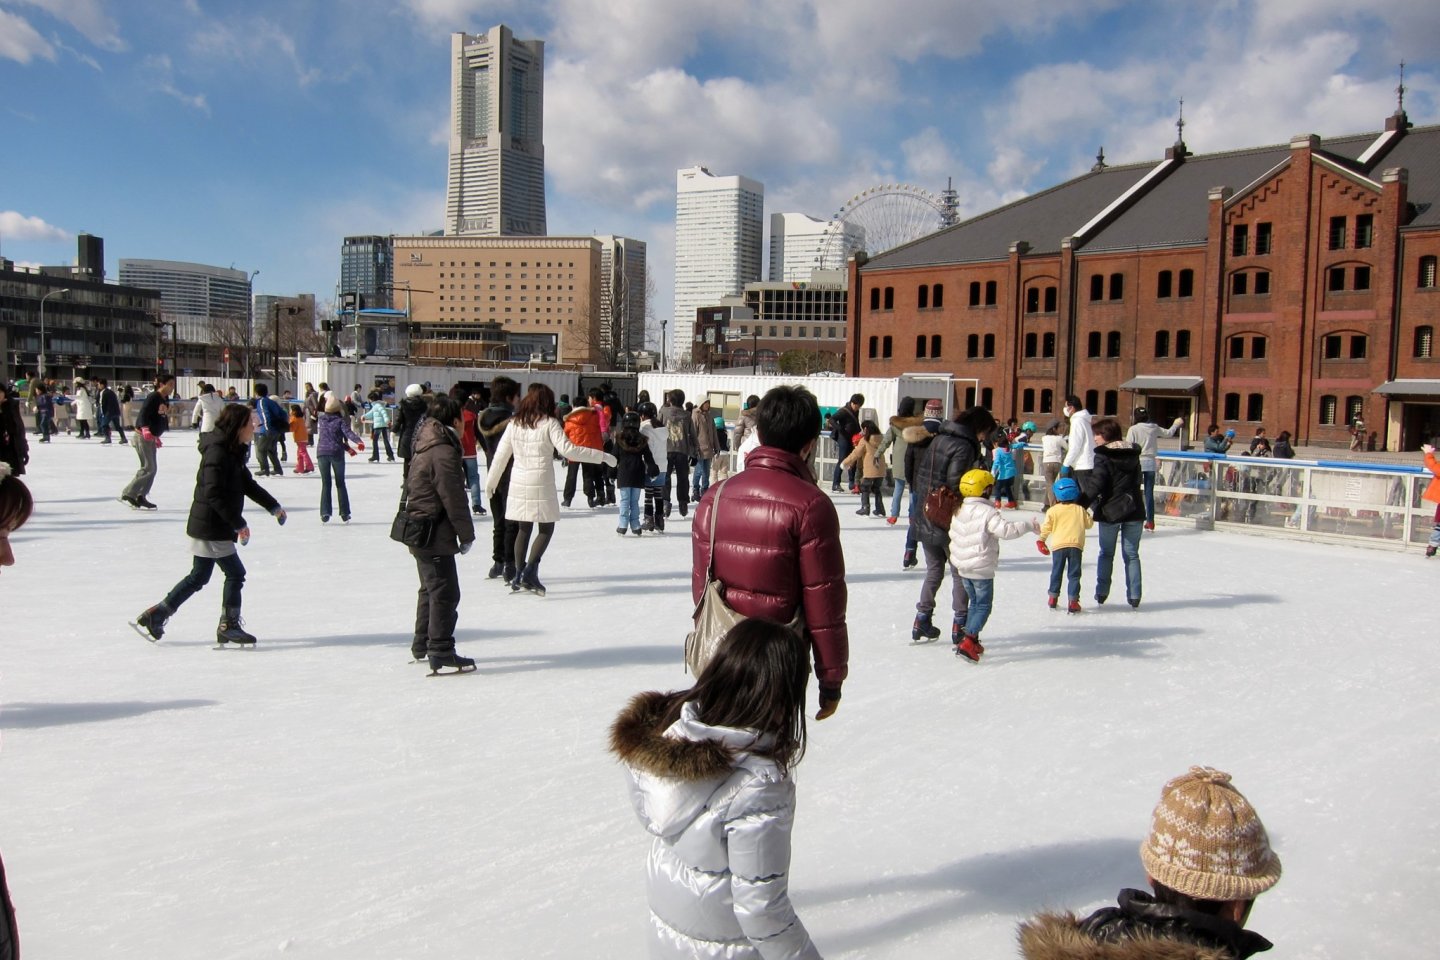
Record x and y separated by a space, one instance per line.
242 536
465 547
829 703
1043 547
145 434
359 444
279 514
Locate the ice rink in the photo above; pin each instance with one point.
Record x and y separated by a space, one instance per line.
320 797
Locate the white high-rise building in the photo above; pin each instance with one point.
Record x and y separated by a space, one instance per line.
801 244
496 182
719 226
622 300
194 296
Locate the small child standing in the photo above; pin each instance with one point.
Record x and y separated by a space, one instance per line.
710 779
301 436
867 454
1064 533
1003 465
975 534
634 465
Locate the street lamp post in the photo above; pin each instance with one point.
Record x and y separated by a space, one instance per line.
47 296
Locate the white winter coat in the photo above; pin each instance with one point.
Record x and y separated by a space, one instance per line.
532 496
1054 447
1081 455
659 440
721 819
207 408
975 534
84 404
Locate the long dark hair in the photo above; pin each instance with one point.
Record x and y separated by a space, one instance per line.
232 419
16 503
755 681
537 404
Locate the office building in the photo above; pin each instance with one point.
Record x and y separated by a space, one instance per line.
367 269
194 296
718 236
622 300
800 244
496 180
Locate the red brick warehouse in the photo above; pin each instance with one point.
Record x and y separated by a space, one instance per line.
1288 286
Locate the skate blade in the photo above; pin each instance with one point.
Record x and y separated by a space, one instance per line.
144 634
233 646
924 641
450 673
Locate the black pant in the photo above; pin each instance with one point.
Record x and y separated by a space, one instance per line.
843 449
116 421
871 488
200 575
592 485
437 604
502 531
265 453
678 465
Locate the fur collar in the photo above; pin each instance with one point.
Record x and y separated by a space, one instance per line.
638 738
493 421
1053 936
902 423
915 433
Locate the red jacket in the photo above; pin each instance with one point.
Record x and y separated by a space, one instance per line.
778 545
467 433
582 426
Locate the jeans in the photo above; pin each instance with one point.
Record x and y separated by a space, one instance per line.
1148 480
629 501
936 561
1060 559
843 449
1129 534
981 594
895 497
910 541
472 480
1005 490
200 575
700 480
437 604
377 435
145 476
333 463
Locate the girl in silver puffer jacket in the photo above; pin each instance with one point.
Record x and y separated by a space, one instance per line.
710 779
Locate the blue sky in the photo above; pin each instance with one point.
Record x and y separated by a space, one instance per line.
259 133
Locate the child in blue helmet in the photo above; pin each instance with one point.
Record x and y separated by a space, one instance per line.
1063 536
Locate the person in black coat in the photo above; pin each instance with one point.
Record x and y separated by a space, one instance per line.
504 394
408 414
110 411
844 424
14 446
1113 492
217 524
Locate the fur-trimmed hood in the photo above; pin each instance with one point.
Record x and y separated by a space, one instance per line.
639 740
899 424
1052 936
633 445
1137 928
915 433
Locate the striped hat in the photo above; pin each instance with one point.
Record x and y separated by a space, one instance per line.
1207 842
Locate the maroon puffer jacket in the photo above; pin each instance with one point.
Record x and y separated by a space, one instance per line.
778 543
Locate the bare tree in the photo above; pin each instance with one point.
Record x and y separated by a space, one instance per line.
234 331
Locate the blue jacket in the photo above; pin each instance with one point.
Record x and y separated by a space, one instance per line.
1003 465
273 417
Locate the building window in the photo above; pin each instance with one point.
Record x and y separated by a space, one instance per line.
1335 279
1257 348
991 290
1262 283
974 293
1164 285
1051 295
1047 400
1187 283
875 298
886 347
1332 346
1232 407
1239 240
989 345
1032 300
1364 230
1182 344
935 346
1328 408
1097 288
1362 278
1027 400
1092 345
1239 284
1255 407
1112 403
1032 345
1237 348
1047 349
924 297
1427 273
1358 345
1337 233
1262 238
1117 286
1092 400
937 296
1112 345
1424 342
987 398
972 346
1162 343
920 347
1354 408
889 298
969 397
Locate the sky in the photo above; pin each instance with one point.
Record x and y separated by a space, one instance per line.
258 134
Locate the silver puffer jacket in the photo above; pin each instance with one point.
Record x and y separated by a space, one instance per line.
721 820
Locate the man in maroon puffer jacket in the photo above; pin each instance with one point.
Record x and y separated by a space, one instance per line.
777 545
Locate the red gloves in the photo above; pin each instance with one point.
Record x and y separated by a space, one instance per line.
359 444
145 434
1042 547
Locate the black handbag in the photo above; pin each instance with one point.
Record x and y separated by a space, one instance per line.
410 529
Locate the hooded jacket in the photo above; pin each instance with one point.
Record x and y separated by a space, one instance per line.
721 817
582 426
1081 453
942 463
331 434
916 438
435 487
1146 436
407 416
221 485
895 435
681 437
492 423
1117 474
975 535
867 455
777 550
207 410
1137 929
532 496
634 462
707 441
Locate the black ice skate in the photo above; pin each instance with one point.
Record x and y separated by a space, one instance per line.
231 630
151 623
457 663
529 580
924 629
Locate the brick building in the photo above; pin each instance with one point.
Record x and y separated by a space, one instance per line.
1290 286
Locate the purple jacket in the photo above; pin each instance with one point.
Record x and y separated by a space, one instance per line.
333 431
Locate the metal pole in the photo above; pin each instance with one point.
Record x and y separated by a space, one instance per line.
47 296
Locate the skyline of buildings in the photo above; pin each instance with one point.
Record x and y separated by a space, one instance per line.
193 295
798 245
719 228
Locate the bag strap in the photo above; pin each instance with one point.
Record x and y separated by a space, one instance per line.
714 522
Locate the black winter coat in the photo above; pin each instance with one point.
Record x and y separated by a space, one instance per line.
1138 917
14 446
634 464
221 485
844 425
941 462
1116 475
407 417
489 427
9 935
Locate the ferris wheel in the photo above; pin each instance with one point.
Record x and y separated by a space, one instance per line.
879 219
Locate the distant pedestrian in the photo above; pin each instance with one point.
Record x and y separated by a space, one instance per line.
504 394
273 423
1115 496
378 415
1080 451
895 436
110 413
707 444
301 436
14 446
974 555
207 409
1145 434
153 421
84 409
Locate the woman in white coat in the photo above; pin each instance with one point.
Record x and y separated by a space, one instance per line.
84 408
532 439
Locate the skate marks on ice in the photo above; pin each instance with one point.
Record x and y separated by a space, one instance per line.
30 716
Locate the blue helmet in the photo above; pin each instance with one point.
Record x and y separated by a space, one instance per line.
1067 490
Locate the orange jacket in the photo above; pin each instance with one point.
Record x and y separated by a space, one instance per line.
298 431
1432 492
582 426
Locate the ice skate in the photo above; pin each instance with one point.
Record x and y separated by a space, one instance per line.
151 623
529 580
232 630
457 663
924 629
969 649
497 569
1074 607
1051 601
909 560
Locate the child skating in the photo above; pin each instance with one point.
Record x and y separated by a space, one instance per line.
634 465
1003 462
1063 537
710 779
975 534
301 435
867 455
216 525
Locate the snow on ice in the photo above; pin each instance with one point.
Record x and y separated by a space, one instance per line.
321 797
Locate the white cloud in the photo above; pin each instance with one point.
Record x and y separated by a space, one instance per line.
19 41
17 226
90 17
251 41
161 73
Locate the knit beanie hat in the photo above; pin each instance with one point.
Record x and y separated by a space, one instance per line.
932 409
1206 841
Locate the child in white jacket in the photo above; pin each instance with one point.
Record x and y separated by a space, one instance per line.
975 534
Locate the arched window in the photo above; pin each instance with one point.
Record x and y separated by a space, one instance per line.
1117 286
920 347
874 298
1047 347
1162 343
987 398
991 290
1182 344
1027 400
989 345
937 296
1050 294
1165 285
1092 400
889 298
935 346
1032 344
1328 410
1112 344
1424 342
1187 284
1097 287
1092 344
972 346
874 347
1426 276
1257 348
1255 407
1232 406
969 397
924 297
974 293
1237 348
1354 408
1032 300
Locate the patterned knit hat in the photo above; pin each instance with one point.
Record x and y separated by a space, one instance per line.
1206 841
933 408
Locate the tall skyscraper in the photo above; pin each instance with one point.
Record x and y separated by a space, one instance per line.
718 236
800 244
496 182
366 268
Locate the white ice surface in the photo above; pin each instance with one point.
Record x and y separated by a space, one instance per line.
320 797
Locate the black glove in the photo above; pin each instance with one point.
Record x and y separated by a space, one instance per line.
829 702
692 461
